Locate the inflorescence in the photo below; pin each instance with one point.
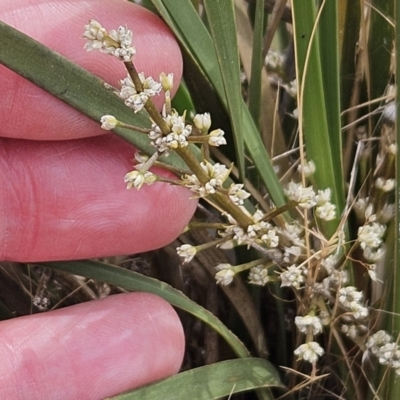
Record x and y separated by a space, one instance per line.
287 256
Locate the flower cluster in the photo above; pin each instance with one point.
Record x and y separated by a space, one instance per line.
116 42
137 100
381 345
177 138
315 270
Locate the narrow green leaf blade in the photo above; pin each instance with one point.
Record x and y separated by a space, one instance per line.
221 17
133 281
210 382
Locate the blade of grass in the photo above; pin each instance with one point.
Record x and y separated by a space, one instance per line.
257 64
192 34
210 382
221 18
313 118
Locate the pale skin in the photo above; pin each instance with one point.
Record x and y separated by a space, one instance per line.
66 199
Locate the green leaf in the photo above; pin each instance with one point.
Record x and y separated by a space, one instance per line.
210 382
133 281
313 105
221 18
257 64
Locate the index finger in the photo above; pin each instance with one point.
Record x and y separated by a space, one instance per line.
28 112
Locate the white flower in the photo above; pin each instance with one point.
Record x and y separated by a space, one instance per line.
310 352
237 194
377 340
137 178
108 122
373 255
271 239
177 138
259 275
94 33
323 197
326 212
308 168
293 233
387 213
358 311
187 251
371 235
116 42
134 99
387 352
274 60
348 295
308 323
293 276
122 48
350 331
217 173
304 197
202 122
167 81
390 112
385 185
225 276
216 138
291 254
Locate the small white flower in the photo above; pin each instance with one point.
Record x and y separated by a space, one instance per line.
371 235
291 254
326 212
358 311
304 197
202 122
187 251
274 60
310 352
387 213
377 340
259 275
350 331
323 197
94 33
108 122
167 81
387 352
293 276
237 194
373 255
308 168
270 239
308 323
134 99
137 179
389 112
386 185
225 276
216 138
348 295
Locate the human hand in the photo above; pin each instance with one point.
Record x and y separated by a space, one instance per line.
66 199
